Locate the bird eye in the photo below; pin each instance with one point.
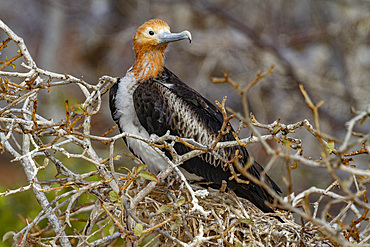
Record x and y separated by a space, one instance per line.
151 32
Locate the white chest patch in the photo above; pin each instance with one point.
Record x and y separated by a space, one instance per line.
129 122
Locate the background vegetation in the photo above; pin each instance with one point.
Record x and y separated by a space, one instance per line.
323 45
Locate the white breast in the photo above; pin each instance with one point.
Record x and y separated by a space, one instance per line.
129 122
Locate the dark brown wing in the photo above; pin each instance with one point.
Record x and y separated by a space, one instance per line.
166 103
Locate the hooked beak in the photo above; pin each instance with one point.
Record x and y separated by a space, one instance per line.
167 37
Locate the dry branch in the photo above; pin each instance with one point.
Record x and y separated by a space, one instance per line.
173 211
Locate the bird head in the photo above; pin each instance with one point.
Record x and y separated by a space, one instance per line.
156 34
150 42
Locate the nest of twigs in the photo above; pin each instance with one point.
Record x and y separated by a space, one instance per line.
228 220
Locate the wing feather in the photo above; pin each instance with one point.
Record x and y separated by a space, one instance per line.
166 103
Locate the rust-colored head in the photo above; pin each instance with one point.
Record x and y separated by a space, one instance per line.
150 42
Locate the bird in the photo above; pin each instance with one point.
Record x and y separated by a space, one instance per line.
151 100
